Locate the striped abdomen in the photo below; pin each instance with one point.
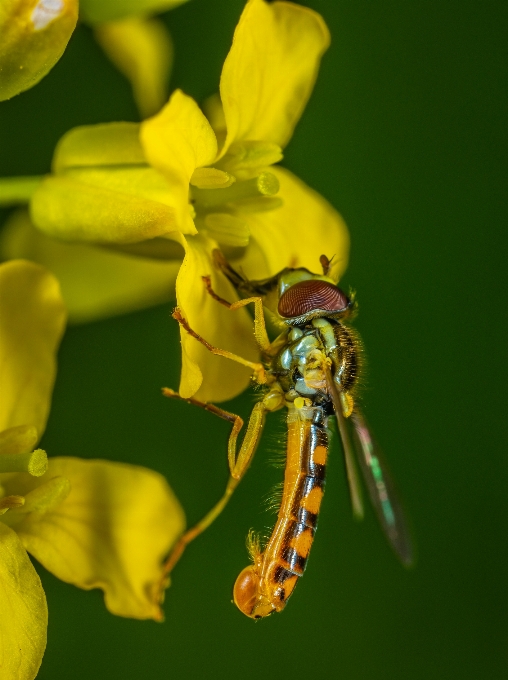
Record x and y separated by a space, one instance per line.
265 586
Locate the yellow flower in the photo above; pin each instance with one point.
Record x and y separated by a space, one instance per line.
182 180
92 523
34 34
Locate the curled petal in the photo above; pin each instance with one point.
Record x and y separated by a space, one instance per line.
209 377
142 50
24 618
297 233
176 141
96 283
32 320
111 532
270 70
96 145
101 206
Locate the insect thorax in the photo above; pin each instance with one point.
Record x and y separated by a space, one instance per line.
298 367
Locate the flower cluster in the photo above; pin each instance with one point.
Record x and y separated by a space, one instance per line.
93 523
181 184
129 217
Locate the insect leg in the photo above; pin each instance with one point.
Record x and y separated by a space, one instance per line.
258 368
260 331
237 464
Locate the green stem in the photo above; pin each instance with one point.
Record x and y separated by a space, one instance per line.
17 190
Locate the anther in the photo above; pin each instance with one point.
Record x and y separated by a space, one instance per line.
33 462
211 178
9 502
265 184
45 497
250 155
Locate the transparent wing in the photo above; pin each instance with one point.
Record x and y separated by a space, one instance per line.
355 489
381 490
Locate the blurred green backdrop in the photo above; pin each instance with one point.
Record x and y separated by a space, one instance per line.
406 135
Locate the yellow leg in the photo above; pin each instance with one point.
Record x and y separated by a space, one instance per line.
237 465
258 368
259 319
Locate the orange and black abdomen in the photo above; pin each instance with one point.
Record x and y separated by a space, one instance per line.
265 586
303 491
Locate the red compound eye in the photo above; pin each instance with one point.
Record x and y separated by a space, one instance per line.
307 296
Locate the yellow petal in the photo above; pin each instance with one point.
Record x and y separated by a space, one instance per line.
270 70
34 35
177 141
209 377
24 612
96 283
296 234
112 531
142 50
74 210
95 145
19 439
32 320
94 11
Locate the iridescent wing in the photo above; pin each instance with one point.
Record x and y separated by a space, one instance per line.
381 490
355 489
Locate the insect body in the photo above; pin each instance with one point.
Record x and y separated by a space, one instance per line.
265 586
312 369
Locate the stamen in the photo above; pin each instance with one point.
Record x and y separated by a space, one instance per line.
33 462
265 184
250 156
40 500
211 178
10 502
227 229
18 439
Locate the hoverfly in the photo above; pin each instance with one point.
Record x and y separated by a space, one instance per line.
312 369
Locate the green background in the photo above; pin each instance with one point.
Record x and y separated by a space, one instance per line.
405 135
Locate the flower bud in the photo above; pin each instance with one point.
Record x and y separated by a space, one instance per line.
98 11
34 36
